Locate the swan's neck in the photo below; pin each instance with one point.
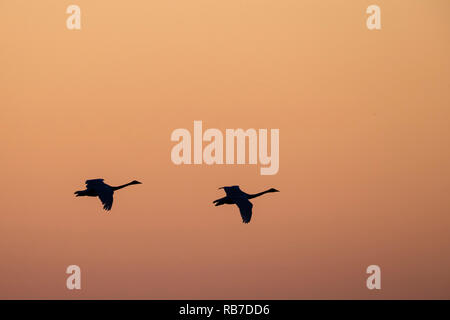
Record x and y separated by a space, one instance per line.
251 196
122 186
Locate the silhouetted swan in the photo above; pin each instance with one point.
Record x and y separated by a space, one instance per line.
97 188
240 198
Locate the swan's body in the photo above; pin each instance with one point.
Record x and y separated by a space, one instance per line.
241 199
97 188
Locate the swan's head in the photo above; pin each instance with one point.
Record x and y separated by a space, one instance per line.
135 182
273 190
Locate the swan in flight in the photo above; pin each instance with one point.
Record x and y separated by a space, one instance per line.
97 188
241 199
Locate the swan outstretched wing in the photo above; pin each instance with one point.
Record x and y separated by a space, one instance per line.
240 199
94 182
245 207
232 191
106 197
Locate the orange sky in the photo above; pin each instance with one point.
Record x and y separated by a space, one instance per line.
364 125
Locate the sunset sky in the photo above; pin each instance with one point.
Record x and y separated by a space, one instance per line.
364 175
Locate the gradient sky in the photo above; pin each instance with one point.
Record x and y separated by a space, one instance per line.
364 125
